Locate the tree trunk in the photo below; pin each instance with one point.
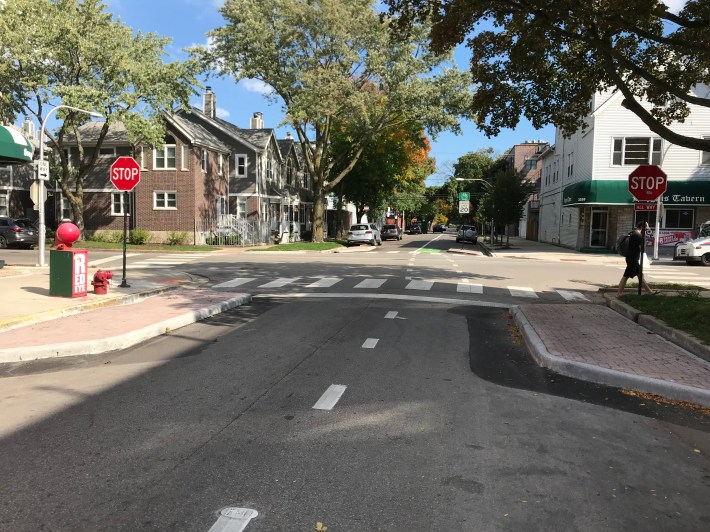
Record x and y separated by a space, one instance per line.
318 214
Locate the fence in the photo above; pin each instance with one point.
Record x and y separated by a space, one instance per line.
230 230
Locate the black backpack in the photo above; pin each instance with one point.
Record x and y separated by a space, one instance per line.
622 245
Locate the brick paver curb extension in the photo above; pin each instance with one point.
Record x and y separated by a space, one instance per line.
594 343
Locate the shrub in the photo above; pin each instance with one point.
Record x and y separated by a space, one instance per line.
138 236
176 238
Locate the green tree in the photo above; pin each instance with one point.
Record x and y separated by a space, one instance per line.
72 52
331 62
503 202
545 59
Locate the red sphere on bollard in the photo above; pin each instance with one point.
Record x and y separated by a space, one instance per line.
67 234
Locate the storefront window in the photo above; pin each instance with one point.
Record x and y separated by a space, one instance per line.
679 218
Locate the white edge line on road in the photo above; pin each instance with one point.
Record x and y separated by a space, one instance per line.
330 397
392 314
370 343
111 259
397 297
233 519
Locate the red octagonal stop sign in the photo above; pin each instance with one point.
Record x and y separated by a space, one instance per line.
647 182
125 173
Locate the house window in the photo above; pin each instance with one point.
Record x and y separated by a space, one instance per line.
203 159
241 165
164 156
634 151
705 160
269 169
289 172
107 151
164 200
530 165
66 209
242 209
184 158
141 157
4 211
678 218
118 206
220 164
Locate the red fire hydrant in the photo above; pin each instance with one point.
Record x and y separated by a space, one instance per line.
100 282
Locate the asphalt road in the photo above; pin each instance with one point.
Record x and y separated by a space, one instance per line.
443 423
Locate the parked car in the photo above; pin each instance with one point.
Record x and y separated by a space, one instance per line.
439 228
391 231
364 234
414 229
467 233
17 232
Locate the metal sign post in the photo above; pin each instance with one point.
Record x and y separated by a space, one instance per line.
124 283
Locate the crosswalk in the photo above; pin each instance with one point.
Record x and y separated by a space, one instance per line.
395 283
168 261
679 273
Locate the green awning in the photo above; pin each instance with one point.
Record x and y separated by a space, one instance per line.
14 147
616 192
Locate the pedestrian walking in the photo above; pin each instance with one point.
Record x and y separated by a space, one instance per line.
633 258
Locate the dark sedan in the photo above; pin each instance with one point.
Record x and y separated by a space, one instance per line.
391 232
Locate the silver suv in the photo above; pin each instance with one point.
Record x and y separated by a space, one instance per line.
467 233
17 232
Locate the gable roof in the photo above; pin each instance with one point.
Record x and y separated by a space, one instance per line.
227 128
186 123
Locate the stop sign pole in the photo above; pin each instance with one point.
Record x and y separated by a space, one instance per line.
125 175
648 183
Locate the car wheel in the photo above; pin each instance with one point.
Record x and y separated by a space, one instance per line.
3 242
705 259
373 242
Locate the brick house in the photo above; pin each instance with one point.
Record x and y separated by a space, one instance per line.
182 182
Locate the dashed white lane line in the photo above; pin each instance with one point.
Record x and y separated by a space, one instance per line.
522 291
370 343
371 283
571 295
391 315
330 397
235 282
281 281
233 519
326 282
469 288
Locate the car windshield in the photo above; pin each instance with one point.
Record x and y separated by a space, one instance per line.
361 227
389 227
467 227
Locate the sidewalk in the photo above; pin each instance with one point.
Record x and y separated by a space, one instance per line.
586 341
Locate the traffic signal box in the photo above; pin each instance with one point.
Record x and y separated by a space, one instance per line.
68 272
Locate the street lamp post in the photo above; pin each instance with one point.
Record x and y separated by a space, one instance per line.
488 185
40 181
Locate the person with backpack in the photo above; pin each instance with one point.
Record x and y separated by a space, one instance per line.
633 258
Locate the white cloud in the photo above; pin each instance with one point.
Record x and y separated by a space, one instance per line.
674 6
254 85
222 113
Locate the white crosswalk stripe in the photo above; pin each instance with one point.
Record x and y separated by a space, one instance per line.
235 282
469 288
326 282
571 295
419 285
281 281
371 283
521 291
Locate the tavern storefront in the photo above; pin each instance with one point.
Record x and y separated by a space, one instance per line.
605 209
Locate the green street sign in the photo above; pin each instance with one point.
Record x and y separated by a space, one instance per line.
464 196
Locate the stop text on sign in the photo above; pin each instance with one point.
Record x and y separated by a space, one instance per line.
126 174
647 182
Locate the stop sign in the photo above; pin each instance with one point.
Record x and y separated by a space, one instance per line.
125 173
647 182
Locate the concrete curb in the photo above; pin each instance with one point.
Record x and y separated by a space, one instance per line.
609 377
680 338
54 314
123 341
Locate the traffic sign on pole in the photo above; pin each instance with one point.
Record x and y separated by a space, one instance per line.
647 182
464 196
125 173
464 207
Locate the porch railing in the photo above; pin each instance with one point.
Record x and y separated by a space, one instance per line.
230 230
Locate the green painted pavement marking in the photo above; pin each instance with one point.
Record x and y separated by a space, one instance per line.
426 250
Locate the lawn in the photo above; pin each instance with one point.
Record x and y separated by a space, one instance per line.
301 246
685 310
90 244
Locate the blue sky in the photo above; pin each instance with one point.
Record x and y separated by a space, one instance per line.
187 22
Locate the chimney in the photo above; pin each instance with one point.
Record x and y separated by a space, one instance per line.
289 136
257 121
209 103
28 128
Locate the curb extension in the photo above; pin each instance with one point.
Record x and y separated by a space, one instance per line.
21 321
123 341
680 338
609 377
